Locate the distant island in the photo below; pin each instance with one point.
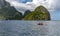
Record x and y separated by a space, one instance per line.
8 12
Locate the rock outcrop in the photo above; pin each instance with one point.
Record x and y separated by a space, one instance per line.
7 11
40 13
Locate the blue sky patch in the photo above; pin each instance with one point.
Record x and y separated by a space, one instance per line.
25 1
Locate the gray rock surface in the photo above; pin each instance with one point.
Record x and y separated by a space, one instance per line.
2 3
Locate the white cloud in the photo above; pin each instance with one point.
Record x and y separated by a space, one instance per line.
49 4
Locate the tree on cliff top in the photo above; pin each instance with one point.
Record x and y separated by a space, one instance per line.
40 13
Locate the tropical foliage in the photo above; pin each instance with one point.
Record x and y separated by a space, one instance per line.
40 13
8 12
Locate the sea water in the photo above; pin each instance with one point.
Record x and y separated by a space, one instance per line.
29 28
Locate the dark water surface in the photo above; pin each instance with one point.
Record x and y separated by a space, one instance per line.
29 28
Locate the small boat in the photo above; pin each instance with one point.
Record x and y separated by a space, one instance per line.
40 24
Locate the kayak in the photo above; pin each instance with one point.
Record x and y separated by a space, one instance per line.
40 24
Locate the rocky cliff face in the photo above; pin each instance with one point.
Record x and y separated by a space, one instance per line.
40 13
6 11
2 3
10 13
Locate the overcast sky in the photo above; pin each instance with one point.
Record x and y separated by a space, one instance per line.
52 5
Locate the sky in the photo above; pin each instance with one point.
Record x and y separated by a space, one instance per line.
53 6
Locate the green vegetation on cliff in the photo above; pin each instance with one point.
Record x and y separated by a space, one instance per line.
8 12
40 13
26 13
18 16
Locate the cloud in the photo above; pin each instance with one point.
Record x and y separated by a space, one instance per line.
49 4
52 5
57 5
21 6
